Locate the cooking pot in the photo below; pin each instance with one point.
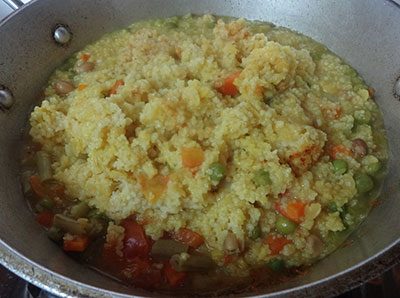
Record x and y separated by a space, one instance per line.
366 33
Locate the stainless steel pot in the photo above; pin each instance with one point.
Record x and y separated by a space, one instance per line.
365 32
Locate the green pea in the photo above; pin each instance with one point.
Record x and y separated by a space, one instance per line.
55 234
362 116
371 164
332 207
80 210
340 166
256 233
350 72
285 226
276 265
216 171
358 87
47 204
364 182
262 178
317 51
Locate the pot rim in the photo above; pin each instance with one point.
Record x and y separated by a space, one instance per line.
62 286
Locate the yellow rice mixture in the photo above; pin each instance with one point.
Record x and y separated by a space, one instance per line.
296 102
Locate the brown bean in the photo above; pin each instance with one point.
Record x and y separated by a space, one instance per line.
63 87
84 67
359 147
315 245
231 244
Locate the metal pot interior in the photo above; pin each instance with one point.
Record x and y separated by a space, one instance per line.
366 33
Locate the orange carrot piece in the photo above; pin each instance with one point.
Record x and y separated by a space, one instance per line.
85 57
45 219
81 87
76 244
276 244
371 92
295 211
192 157
37 187
228 259
228 87
153 188
115 87
189 237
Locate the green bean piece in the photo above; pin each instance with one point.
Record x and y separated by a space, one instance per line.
256 233
47 204
44 165
69 64
362 116
95 214
216 171
95 228
276 265
340 166
55 234
285 226
80 210
371 164
262 178
191 263
364 182
332 207
69 225
166 248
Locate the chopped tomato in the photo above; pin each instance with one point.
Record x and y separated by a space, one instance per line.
192 157
153 188
136 266
228 259
276 244
85 57
340 149
174 277
81 87
76 244
115 87
136 243
45 219
228 87
189 237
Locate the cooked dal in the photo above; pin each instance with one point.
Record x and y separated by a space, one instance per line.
257 142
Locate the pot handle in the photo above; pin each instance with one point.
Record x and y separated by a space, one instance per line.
14 4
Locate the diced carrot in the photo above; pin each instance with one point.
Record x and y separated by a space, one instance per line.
37 187
192 157
153 188
174 277
340 149
76 244
228 87
45 219
189 237
81 87
276 244
294 211
85 57
115 87
228 259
